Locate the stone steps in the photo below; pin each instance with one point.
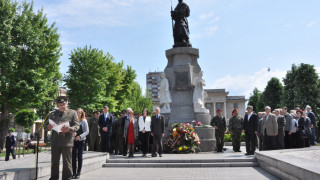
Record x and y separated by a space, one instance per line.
180 163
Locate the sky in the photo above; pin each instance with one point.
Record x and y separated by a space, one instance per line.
238 40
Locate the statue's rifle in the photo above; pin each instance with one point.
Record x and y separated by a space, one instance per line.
172 22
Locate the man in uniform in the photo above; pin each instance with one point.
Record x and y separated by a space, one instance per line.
235 128
120 125
62 142
94 135
219 123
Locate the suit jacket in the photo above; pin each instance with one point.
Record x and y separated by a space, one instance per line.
251 125
157 125
94 130
10 141
105 123
281 124
144 125
270 124
63 139
135 128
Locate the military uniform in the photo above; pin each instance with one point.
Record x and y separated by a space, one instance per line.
220 122
94 135
62 143
235 126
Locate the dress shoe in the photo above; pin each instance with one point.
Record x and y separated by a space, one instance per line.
154 155
239 151
160 155
247 154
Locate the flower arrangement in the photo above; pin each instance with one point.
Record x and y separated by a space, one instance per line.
182 139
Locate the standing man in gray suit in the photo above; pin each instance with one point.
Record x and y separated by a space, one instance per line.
270 130
157 131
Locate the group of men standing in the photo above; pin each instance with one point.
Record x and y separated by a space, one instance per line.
273 130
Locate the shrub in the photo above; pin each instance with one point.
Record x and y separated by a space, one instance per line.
25 118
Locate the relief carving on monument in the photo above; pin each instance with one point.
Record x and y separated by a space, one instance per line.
199 94
165 98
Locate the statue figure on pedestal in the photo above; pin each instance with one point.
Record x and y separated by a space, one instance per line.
181 27
199 94
165 98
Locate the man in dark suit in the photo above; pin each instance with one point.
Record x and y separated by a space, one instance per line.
157 131
10 144
105 124
250 127
281 125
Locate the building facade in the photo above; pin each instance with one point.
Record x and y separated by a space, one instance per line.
153 85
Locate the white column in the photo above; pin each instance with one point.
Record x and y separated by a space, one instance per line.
214 109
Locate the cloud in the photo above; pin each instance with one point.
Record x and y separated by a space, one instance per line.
311 24
245 83
211 30
215 20
86 13
206 16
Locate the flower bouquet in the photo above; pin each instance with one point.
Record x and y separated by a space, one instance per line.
182 139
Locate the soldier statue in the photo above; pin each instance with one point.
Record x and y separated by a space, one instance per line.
181 27
235 128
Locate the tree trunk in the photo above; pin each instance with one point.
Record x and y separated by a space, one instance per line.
4 124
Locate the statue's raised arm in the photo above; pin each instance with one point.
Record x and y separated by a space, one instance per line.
181 27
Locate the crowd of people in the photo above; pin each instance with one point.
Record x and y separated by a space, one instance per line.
267 130
103 132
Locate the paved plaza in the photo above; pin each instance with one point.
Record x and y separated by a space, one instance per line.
287 164
247 173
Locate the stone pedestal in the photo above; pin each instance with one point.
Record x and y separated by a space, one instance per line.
181 69
208 140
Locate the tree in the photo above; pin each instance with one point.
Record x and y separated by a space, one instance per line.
255 100
94 80
25 118
306 87
137 101
29 66
289 88
272 95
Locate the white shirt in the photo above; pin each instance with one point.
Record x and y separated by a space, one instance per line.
249 116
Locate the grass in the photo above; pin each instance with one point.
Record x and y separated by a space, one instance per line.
3 154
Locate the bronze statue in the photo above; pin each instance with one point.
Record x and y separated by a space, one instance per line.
181 27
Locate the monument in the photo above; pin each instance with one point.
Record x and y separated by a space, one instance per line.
185 80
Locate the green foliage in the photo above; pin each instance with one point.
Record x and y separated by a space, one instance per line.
12 129
272 95
88 77
29 59
25 118
228 138
27 130
255 100
96 80
289 88
307 87
302 87
137 101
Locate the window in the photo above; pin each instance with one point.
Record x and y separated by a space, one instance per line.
235 105
219 106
